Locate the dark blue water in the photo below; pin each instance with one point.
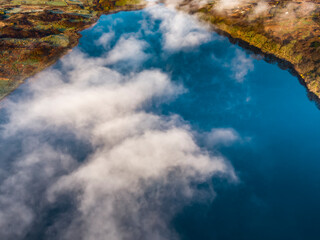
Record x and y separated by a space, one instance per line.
278 163
277 159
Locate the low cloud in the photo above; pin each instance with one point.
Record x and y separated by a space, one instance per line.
128 50
182 3
180 31
241 65
294 12
105 40
222 136
259 6
291 11
260 10
223 5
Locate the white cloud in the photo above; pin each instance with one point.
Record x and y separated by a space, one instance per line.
128 50
229 4
181 4
241 65
261 8
225 136
181 31
105 40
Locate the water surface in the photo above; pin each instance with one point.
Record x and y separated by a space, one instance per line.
272 130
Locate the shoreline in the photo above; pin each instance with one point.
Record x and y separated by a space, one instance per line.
74 38
293 43
270 59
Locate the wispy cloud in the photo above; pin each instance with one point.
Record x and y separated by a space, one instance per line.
129 50
241 65
229 4
225 136
105 39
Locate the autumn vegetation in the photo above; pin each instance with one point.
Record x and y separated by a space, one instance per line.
36 33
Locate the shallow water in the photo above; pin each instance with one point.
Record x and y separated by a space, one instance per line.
272 130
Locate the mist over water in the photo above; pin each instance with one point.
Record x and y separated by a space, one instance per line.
156 128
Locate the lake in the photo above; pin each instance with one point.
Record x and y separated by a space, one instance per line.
220 101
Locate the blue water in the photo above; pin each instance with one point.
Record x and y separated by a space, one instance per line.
279 167
277 160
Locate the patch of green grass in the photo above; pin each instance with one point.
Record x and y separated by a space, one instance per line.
30 61
40 2
5 87
121 3
57 40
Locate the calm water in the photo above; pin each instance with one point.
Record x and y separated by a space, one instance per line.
277 158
